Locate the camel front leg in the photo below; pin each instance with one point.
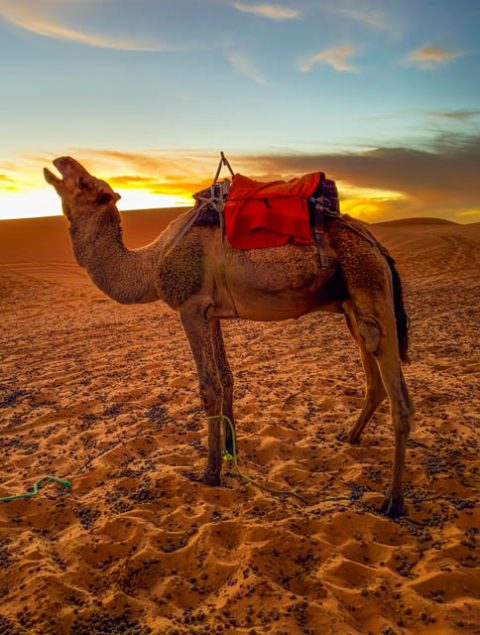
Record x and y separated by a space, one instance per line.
226 377
199 331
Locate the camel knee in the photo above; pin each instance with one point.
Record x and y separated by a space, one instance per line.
370 332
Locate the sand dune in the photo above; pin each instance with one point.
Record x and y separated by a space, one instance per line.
416 220
106 395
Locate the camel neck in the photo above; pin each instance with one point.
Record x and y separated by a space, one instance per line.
127 276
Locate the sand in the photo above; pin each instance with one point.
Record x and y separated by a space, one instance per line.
106 396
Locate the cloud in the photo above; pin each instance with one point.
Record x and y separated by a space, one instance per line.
336 57
378 184
244 65
373 19
460 115
174 172
40 19
270 11
176 186
131 181
472 213
429 57
8 184
441 180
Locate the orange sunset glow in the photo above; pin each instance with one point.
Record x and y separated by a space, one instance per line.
382 105
373 185
168 184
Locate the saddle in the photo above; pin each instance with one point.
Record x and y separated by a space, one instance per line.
256 215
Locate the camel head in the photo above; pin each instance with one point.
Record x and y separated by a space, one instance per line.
81 193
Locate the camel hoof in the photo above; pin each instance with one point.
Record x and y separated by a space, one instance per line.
353 439
348 437
392 507
212 479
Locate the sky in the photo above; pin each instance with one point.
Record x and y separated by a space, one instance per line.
381 95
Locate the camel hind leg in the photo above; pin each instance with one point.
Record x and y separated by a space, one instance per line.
377 328
402 412
374 390
375 297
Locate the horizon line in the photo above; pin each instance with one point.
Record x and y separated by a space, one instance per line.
180 208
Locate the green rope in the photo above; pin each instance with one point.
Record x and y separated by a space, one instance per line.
34 491
233 457
225 453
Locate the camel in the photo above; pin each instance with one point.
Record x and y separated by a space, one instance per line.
203 278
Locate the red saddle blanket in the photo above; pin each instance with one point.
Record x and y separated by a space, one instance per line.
259 215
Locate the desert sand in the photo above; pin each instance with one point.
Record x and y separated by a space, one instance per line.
106 396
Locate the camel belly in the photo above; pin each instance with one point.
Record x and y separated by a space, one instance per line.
282 283
265 308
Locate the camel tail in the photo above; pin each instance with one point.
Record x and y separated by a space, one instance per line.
400 313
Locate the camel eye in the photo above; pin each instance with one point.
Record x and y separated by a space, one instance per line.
84 184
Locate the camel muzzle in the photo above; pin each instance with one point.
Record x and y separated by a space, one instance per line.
69 167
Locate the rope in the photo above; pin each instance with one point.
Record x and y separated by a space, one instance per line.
354 497
223 161
190 217
248 479
34 492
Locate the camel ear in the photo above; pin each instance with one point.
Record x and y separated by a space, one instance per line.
105 196
51 179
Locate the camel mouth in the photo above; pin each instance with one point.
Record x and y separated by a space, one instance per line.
50 177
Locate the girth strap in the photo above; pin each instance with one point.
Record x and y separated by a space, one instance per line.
318 231
325 207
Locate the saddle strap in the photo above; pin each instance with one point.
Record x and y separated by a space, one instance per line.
325 207
319 233
223 264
